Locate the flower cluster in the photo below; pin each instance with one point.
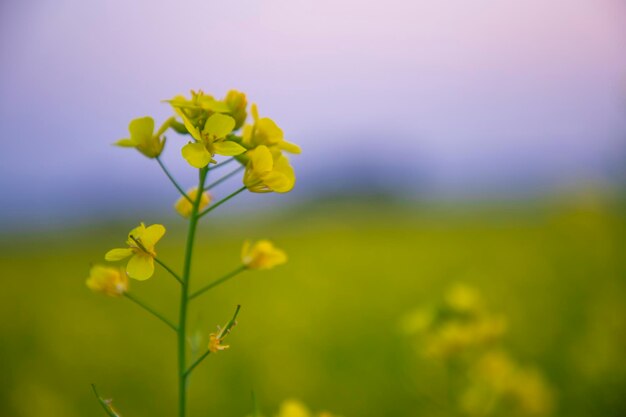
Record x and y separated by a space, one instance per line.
214 129
462 332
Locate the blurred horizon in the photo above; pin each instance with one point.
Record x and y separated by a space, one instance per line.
436 101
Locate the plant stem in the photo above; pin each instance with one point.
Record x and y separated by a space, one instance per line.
197 362
218 282
106 404
224 178
182 318
168 269
221 164
178 187
222 201
150 310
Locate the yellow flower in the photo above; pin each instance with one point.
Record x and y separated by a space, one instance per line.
108 280
293 408
267 172
215 343
266 132
262 255
184 207
203 119
141 241
237 103
142 137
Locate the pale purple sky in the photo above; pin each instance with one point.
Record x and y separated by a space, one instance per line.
481 95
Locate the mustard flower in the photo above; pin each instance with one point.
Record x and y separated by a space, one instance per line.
262 255
143 138
267 171
184 207
141 241
211 141
266 132
215 343
107 280
237 103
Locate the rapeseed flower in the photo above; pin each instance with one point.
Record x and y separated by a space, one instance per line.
210 141
267 172
142 137
262 255
266 132
237 103
141 241
215 343
108 280
184 207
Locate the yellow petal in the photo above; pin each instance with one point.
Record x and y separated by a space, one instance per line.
118 254
190 127
255 112
219 125
140 266
261 159
289 147
228 148
196 154
141 128
152 235
126 143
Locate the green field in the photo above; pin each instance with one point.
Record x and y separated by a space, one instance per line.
325 327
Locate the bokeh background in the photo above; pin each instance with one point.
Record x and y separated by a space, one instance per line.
443 141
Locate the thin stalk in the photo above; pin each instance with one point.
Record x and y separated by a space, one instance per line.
222 334
168 269
222 201
106 404
197 362
150 310
182 318
218 282
178 187
224 178
221 164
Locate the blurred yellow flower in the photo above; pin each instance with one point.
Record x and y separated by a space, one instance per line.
142 137
267 172
107 280
262 255
184 207
141 241
293 408
266 132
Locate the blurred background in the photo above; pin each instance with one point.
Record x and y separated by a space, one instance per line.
478 142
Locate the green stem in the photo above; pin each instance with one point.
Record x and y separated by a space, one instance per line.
218 281
222 201
150 310
197 362
224 178
221 164
178 187
106 404
168 269
182 318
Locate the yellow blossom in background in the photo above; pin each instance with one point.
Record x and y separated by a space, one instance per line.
141 241
266 132
293 408
267 172
463 298
142 137
184 207
237 103
107 280
262 255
